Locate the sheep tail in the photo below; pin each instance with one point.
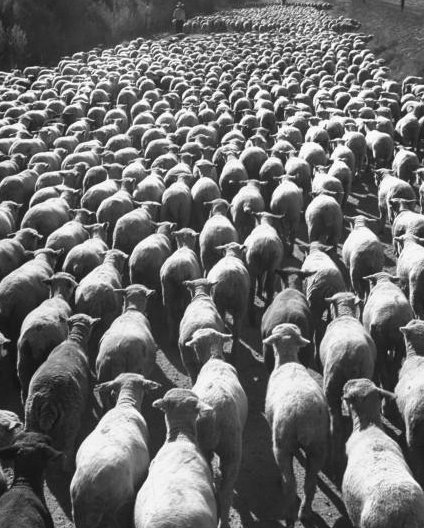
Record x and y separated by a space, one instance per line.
46 412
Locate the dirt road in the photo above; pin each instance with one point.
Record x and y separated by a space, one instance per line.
399 35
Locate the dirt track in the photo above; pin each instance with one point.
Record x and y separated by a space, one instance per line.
399 35
257 500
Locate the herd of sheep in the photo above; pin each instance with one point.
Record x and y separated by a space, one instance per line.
179 172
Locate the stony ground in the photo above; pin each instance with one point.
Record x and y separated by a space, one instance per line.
399 35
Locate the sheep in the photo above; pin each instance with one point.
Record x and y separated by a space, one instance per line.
233 171
380 147
406 220
346 351
96 295
324 220
410 268
47 216
20 187
323 183
15 252
23 290
287 200
60 388
324 280
297 413
94 196
177 201
203 191
289 306
232 287
264 254
128 344
182 265
112 462
70 234
84 257
149 255
179 470
218 386
8 217
135 226
217 231
115 206
10 427
405 163
200 313
313 153
385 312
24 504
44 328
409 390
390 187
362 253
248 198
375 497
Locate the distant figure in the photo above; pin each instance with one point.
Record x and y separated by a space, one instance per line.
179 16
402 4
148 14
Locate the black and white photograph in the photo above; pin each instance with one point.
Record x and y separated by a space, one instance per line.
211 263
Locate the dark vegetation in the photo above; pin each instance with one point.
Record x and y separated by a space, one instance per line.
41 31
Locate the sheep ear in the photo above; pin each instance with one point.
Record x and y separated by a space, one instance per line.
371 278
358 300
190 343
329 300
103 388
395 279
150 293
386 394
226 337
13 425
269 340
152 386
303 342
159 404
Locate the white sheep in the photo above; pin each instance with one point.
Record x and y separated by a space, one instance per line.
178 491
346 351
113 460
378 487
128 345
297 413
410 395
218 386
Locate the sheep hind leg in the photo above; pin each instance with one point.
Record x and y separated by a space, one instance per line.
237 325
315 458
416 462
288 483
229 467
269 286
